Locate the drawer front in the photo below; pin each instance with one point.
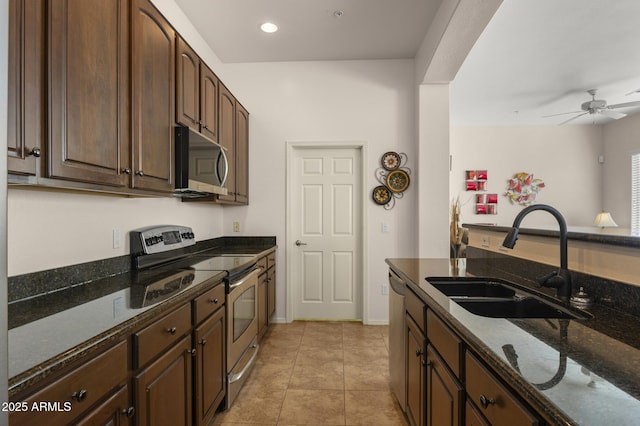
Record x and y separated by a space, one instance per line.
161 334
263 263
74 393
446 342
416 308
208 303
493 399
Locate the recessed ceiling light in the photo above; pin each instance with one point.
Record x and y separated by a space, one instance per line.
338 13
269 27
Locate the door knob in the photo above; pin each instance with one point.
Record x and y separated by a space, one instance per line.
300 243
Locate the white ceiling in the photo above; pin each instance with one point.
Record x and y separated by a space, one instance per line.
535 58
309 29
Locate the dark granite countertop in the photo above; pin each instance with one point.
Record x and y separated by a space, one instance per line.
612 236
601 384
53 327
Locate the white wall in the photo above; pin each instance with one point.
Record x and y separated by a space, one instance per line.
370 101
565 157
621 140
53 229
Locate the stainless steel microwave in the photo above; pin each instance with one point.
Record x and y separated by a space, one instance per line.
201 165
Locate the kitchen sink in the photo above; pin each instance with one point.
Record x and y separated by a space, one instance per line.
496 298
472 287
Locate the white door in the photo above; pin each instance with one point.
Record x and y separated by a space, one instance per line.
326 211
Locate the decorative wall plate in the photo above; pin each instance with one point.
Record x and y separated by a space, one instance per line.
398 180
381 195
391 160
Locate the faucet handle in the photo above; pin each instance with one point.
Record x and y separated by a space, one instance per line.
543 280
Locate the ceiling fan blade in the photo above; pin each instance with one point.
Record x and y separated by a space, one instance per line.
562 113
573 118
625 105
612 114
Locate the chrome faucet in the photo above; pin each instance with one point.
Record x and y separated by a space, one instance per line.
560 279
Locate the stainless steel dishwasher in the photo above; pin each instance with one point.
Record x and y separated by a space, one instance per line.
397 339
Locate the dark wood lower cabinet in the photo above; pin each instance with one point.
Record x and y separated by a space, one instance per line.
163 391
444 393
115 411
210 369
415 373
472 416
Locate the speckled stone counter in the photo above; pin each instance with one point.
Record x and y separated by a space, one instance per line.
601 384
56 317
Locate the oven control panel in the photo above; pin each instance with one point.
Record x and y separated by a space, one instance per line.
158 239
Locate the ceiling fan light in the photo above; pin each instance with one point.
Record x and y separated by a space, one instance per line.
269 27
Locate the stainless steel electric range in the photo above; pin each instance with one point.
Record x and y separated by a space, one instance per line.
165 251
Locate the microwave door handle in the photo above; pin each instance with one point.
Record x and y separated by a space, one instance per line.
223 156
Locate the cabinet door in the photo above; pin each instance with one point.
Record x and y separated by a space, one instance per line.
472 416
226 105
187 86
115 411
444 393
163 390
89 91
263 300
415 373
153 45
26 85
271 292
242 154
210 367
209 86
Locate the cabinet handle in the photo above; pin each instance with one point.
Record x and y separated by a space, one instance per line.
203 342
172 330
140 173
193 352
35 152
426 363
126 171
129 412
485 402
80 395
214 301
418 352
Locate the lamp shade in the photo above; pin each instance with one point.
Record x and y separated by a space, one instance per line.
604 220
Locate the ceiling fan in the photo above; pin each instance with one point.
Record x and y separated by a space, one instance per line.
598 106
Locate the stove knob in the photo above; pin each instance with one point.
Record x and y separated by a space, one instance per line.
148 241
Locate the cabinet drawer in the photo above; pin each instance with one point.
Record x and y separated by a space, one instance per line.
446 342
416 308
76 392
208 303
262 263
494 400
161 334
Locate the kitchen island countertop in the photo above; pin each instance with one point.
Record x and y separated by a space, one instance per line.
601 383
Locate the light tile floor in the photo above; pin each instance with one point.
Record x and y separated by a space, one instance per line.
318 373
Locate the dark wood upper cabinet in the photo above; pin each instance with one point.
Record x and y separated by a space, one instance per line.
227 118
234 136
209 87
26 97
153 103
187 85
242 154
196 92
88 110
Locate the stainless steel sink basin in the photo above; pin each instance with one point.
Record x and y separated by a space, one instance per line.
496 298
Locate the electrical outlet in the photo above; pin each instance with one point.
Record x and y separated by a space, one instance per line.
117 237
236 226
485 241
384 290
384 227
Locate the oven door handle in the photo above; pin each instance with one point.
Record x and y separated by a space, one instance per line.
236 377
245 278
